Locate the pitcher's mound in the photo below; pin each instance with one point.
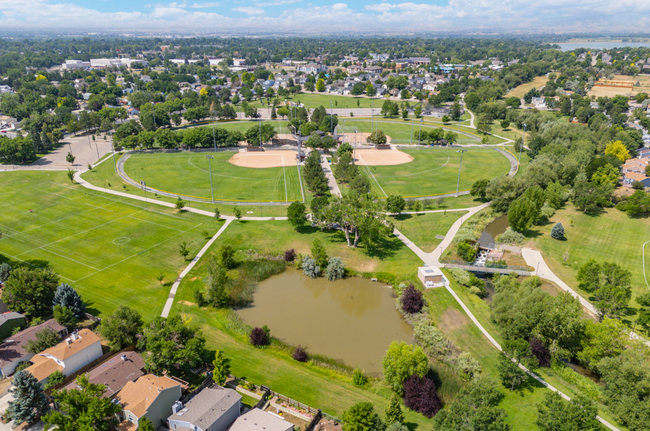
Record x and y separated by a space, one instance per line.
381 157
265 159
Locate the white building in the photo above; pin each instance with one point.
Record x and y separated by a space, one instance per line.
75 64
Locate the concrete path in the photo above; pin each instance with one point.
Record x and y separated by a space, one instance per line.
199 255
331 181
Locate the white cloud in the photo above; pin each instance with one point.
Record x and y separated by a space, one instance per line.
249 10
276 3
204 5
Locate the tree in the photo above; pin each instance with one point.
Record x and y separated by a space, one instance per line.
402 361
64 316
555 195
45 338
83 406
300 354
412 300
394 411
378 137
5 271
29 402
603 339
557 232
335 269
420 395
70 174
296 214
319 253
217 280
606 174
70 158
610 285
522 214
445 119
172 345
362 417
618 150
314 176
56 378
180 204
371 91
66 296
221 369
145 424
259 337
121 328
395 204
30 291
479 189
237 213
217 214
226 256
183 250
515 352
556 414
257 135
466 251
320 85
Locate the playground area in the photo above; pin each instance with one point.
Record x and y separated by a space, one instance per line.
264 159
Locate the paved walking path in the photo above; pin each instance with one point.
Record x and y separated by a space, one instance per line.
199 255
331 181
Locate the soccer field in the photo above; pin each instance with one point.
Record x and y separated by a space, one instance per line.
188 174
434 171
111 252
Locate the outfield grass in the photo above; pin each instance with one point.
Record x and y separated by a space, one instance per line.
609 237
422 229
110 251
188 174
403 132
434 171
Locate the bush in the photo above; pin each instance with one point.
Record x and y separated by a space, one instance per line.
259 337
358 378
461 276
54 379
540 352
638 185
557 232
289 255
431 339
511 236
420 395
547 212
199 297
309 267
412 300
477 291
466 251
22 365
300 354
226 256
467 366
335 269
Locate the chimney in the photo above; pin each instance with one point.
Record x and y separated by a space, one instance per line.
176 407
68 341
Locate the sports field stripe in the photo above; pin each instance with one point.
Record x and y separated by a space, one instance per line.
157 224
286 194
64 218
373 177
34 266
69 258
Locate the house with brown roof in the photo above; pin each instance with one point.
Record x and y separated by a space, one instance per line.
12 351
115 373
149 396
212 409
633 170
259 420
69 356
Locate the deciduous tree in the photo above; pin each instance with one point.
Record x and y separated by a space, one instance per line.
121 328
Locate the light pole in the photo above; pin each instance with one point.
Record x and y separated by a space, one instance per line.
113 146
420 132
523 137
210 157
412 124
214 137
459 167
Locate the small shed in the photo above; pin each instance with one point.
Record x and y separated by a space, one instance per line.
431 276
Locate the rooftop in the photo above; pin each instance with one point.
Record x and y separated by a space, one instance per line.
137 396
207 406
115 373
13 347
10 315
259 420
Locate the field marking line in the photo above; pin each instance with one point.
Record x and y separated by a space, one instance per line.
286 194
138 253
302 190
70 259
157 224
229 176
423 172
371 174
64 218
34 266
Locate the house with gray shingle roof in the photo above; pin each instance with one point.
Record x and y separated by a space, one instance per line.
212 409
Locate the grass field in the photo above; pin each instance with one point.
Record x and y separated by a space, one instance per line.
434 171
423 228
314 100
109 251
188 174
609 237
522 89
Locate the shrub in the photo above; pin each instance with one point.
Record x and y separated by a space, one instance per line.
319 254
259 337
420 395
638 185
467 366
466 251
22 365
540 352
431 339
289 255
335 269
557 232
226 256
300 354
54 379
199 297
412 300
477 291
510 236
5 270
461 276
309 267
358 378
547 212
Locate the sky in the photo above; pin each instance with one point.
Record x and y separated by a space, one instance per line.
327 16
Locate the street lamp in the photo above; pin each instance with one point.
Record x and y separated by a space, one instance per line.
459 167
210 157
113 146
420 132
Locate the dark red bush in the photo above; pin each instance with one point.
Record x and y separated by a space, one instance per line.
420 395
412 300
300 354
540 351
259 337
289 255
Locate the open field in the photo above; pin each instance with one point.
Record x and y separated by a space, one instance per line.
189 175
611 91
434 171
423 228
609 237
314 100
522 89
109 251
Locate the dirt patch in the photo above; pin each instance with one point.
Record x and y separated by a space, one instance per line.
186 303
358 138
381 157
452 319
265 159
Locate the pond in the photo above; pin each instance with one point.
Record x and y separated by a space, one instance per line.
352 320
493 230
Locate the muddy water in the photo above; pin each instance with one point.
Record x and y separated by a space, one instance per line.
353 320
493 230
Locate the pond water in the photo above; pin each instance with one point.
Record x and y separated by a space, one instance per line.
352 320
491 231
570 46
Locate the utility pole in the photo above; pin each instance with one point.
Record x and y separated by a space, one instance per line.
459 167
210 157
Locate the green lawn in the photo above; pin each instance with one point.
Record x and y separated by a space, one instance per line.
404 132
423 228
434 171
110 251
187 174
314 100
609 237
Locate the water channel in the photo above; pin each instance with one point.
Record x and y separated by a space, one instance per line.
493 230
352 320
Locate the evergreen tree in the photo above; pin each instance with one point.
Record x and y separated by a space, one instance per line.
67 297
314 175
557 232
5 271
29 403
221 368
394 412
